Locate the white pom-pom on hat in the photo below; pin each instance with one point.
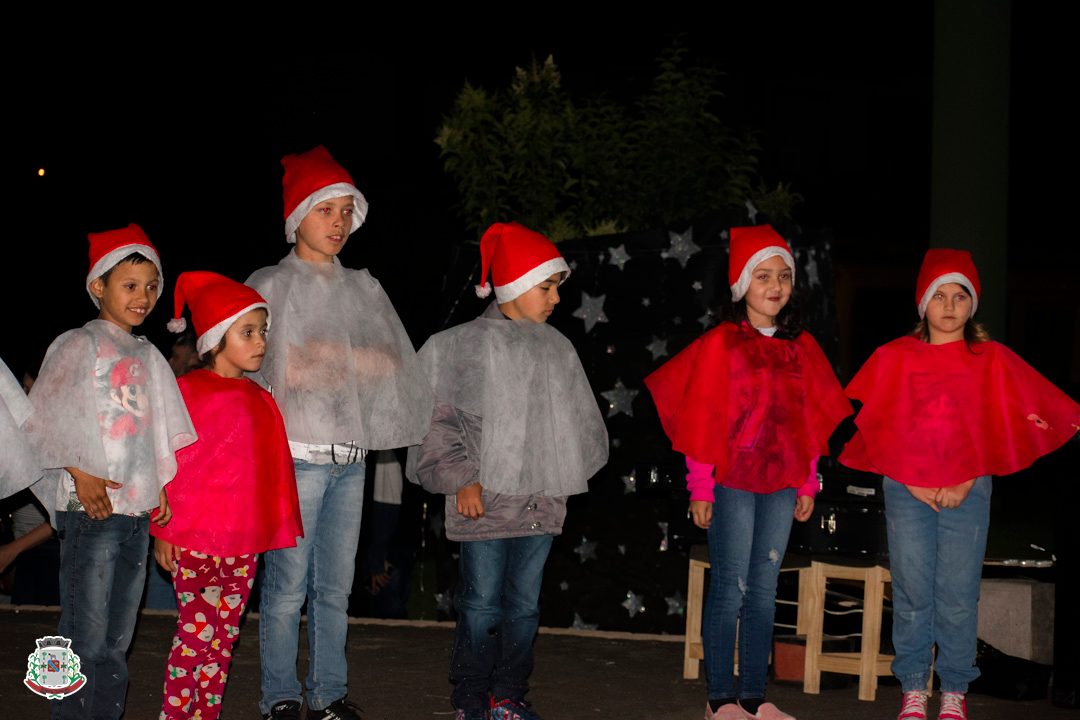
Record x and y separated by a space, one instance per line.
176 325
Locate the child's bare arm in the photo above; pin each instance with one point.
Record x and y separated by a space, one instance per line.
162 513
90 490
701 512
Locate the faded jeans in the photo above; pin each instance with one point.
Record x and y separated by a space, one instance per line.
747 539
319 569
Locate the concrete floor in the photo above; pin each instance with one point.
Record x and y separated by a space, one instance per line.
399 671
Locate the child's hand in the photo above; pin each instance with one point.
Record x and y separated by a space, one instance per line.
90 490
953 495
162 513
925 495
167 554
469 502
701 512
804 507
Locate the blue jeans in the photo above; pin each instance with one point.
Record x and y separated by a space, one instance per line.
320 568
102 571
498 604
936 564
747 539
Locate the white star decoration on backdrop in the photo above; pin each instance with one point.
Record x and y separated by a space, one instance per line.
619 256
580 624
586 550
657 347
591 310
620 399
629 482
632 603
645 302
675 604
682 247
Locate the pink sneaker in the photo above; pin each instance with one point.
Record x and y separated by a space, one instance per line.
731 711
953 706
913 706
768 711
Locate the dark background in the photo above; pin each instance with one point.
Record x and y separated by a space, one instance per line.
182 130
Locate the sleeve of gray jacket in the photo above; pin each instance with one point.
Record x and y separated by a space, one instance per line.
449 457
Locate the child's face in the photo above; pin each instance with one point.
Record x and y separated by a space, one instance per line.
245 345
536 303
129 294
947 312
323 232
769 291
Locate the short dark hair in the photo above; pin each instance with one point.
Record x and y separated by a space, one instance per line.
135 258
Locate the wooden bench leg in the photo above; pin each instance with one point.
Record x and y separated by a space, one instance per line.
695 601
873 595
814 618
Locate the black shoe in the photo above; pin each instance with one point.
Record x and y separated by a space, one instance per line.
343 709
284 710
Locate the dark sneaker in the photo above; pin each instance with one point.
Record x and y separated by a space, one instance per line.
343 709
512 710
284 710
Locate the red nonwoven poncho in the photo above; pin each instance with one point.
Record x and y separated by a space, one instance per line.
760 409
235 489
939 415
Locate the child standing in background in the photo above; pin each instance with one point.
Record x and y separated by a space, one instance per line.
516 430
345 376
943 410
751 404
234 494
106 423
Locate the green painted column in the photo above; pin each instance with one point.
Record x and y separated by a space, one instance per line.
970 165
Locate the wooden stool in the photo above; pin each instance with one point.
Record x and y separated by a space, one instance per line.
868 663
693 650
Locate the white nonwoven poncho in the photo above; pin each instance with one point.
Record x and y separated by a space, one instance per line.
338 359
106 402
18 466
542 432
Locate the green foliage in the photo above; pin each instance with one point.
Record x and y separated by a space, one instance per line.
570 168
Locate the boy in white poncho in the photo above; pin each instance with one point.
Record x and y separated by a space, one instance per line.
107 420
516 429
345 376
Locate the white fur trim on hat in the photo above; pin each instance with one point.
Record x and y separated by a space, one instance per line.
210 339
953 277
329 192
738 290
112 258
540 273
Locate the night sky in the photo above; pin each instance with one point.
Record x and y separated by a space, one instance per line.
186 140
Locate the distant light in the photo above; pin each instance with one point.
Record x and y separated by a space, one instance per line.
41 172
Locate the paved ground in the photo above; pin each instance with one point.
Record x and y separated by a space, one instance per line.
399 671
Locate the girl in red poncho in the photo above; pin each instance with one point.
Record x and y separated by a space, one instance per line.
751 404
943 410
234 494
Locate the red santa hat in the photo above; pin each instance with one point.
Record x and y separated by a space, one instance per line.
518 260
313 177
216 302
110 247
750 246
941 266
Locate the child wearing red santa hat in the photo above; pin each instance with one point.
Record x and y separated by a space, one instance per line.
345 376
516 430
944 409
234 494
107 420
751 404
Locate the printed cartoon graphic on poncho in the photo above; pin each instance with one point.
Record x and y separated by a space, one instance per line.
125 418
936 394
